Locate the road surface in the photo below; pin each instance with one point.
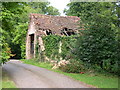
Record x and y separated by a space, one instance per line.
29 76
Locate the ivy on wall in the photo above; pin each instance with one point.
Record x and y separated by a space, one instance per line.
52 43
68 45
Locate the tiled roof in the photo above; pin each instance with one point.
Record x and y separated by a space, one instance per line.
55 23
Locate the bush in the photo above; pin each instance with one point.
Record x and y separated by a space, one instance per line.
5 50
23 48
98 46
73 67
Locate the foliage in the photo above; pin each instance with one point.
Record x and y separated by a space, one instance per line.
52 11
98 44
39 55
15 17
23 48
88 10
73 67
9 21
68 45
4 47
19 39
98 47
43 8
52 43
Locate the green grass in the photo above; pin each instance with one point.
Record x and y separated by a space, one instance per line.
99 80
6 82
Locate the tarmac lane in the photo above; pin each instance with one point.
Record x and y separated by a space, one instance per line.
29 76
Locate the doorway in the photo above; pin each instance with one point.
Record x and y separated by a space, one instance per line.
32 44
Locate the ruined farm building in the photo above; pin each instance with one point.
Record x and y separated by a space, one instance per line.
43 25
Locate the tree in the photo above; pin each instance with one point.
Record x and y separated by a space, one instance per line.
10 18
15 18
52 11
44 8
98 43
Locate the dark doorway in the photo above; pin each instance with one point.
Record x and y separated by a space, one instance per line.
32 43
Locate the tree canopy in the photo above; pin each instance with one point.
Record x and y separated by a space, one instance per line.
15 18
98 44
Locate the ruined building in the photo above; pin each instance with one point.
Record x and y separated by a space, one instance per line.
43 25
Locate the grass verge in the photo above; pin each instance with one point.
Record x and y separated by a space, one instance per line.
6 82
99 80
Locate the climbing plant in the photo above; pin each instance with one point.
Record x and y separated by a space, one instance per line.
52 43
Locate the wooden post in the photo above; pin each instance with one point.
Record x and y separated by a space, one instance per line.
60 49
35 42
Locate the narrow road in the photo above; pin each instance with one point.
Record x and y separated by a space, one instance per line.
29 76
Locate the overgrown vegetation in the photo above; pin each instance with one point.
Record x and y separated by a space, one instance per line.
97 46
94 50
73 67
14 25
5 49
86 53
39 54
52 45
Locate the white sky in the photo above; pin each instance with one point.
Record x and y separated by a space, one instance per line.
59 4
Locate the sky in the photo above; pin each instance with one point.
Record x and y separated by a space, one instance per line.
60 5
